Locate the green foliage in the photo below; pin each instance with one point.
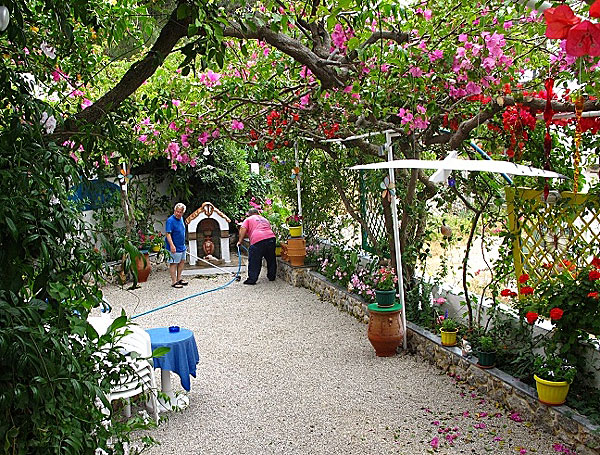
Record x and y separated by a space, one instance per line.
487 344
417 300
554 368
50 372
221 178
449 325
276 213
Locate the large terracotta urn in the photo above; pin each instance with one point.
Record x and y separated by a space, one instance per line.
144 268
385 330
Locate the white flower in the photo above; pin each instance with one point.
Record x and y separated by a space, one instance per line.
48 122
48 50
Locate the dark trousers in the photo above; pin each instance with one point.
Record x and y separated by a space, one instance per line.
263 249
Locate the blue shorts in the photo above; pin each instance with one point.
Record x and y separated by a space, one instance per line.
176 258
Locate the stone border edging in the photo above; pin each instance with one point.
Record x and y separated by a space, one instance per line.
561 421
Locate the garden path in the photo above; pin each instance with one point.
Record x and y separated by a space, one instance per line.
282 372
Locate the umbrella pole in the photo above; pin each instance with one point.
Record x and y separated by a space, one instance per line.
399 274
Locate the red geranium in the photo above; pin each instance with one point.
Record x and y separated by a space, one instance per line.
526 290
559 21
531 317
593 295
556 314
595 9
594 275
596 261
584 39
523 278
507 293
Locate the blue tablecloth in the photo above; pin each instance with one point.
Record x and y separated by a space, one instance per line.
183 356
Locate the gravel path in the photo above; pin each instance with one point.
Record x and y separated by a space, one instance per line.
281 372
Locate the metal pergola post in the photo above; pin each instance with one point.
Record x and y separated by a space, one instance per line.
399 274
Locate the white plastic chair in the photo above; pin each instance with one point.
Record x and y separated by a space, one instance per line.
143 379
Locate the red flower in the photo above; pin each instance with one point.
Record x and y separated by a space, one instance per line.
594 275
556 314
505 292
523 278
559 21
584 39
531 317
595 9
596 261
526 290
593 295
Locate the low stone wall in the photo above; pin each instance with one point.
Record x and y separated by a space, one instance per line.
562 421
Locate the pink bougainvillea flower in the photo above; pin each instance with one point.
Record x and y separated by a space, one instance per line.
143 138
172 126
515 417
305 99
215 134
556 314
237 125
584 39
86 103
559 21
415 71
176 103
56 75
203 138
595 9
435 442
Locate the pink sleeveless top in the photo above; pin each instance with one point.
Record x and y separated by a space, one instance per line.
257 228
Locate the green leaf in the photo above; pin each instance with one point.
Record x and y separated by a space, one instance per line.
12 228
159 352
183 11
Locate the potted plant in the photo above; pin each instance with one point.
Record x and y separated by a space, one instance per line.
486 353
449 329
385 280
294 223
553 376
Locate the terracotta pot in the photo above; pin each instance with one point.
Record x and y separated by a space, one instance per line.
296 260
143 267
296 243
385 330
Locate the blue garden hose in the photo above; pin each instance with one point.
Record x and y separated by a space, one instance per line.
235 278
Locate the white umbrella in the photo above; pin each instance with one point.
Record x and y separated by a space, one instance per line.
504 167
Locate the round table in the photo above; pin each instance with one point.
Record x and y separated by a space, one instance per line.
182 359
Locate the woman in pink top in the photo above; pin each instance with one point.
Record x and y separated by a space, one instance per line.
262 245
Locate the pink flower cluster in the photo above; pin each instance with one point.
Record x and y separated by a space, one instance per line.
340 36
412 121
491 55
